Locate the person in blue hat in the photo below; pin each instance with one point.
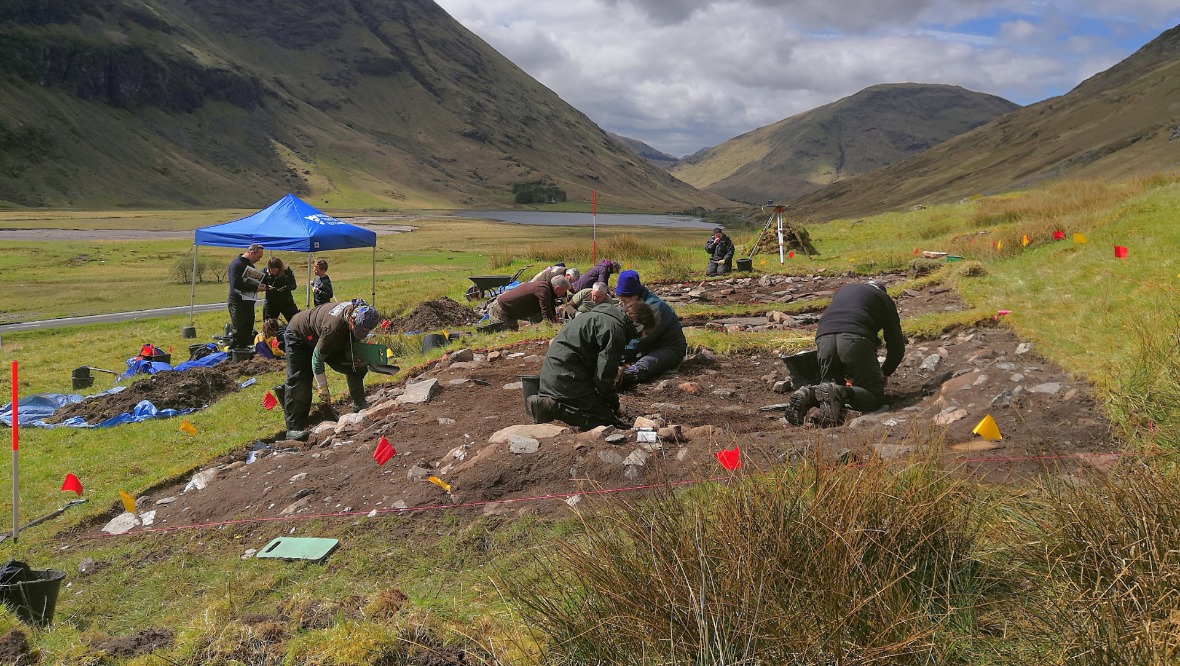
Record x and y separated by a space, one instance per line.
323 336
658 351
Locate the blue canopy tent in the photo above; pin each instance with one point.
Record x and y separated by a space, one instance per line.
288 224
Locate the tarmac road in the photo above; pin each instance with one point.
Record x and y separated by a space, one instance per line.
109 318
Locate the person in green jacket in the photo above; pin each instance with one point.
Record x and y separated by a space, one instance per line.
579 371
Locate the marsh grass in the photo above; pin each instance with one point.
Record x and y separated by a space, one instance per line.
804 565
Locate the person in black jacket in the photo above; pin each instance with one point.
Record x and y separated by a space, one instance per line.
321 286
242 294
720 250
847 344
280 290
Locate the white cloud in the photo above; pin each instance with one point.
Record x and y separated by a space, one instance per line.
682 75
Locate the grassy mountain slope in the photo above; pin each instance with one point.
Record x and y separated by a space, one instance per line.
350 103
876 126
1118 123
656 157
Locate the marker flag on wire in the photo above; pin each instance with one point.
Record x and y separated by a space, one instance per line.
1058 235
72 483
1120 252
185 426
791 254
128 501
915 252
999 245
731 459
1025 240
439 482
269 401
384 451
1080 238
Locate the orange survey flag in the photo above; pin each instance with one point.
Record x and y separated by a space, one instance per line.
72 483
185 426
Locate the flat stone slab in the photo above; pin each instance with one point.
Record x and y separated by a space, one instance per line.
536 431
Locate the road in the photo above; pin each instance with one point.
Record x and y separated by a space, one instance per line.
109 318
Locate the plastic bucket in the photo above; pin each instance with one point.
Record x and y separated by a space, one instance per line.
162 358
530 385
34 600
188 332
803 368
242 354
433 341
82 378
745 264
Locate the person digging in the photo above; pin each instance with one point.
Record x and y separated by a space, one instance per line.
317 337
847 343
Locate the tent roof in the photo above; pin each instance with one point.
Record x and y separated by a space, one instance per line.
288 224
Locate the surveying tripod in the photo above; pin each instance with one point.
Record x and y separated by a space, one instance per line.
776 218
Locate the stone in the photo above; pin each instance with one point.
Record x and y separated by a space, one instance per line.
662 386
665 407
950 415
610 457
637 458
419 393
724 393
417 473
521 444
515 355
459 381
1004 399
513 386
461 356
1070 394
350 421
380 411
644 423
704 432
323 426
87 566
1023 348
930 362
200 480
573 500
298 477
672 433
294 507
444 421
973 446
866 420
698 294
467 365
782 387
691 388
121 524
1050 388
595 434
617 438
165 501
494 355
893 451
1016 378
1005 366
536 431
249 552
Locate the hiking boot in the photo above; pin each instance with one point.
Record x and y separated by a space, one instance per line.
298 435
358 407
628 379
830 397
541 408
800 403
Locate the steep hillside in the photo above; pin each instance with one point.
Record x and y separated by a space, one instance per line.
352 103
656 157
1121 122
876 126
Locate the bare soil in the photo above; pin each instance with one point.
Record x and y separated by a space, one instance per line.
1050 423
434 315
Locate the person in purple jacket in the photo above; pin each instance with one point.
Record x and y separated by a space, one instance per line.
600 272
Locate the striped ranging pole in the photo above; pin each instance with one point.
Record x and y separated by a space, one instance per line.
594 226
15 439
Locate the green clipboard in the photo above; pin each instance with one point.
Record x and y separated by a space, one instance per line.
298 548
375 354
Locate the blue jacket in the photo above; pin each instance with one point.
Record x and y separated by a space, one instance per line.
668 333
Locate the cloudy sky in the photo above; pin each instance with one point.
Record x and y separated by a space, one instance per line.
681 75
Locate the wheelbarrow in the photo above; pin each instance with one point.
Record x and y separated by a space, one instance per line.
487 286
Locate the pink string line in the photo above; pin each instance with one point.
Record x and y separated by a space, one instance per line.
562 496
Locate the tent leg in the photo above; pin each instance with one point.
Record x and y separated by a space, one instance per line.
192 294
373 289
307 303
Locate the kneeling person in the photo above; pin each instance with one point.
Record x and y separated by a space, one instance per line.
317 337
580 368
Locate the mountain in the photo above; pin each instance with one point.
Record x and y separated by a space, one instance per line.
1122 122
349 103
806 152
656 157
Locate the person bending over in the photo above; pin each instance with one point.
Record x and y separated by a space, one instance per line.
660 350
585 300
529 299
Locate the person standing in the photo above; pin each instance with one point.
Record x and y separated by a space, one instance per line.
321 286
847 343
663 348
317 337
720 250
242 294
530 299
579 371
280 291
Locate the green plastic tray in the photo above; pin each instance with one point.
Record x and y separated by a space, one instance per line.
375 354
298 548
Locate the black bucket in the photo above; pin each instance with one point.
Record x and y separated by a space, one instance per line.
530 385
188 332
745 264
803 368
433 341
82 378
35 599
242 354
162 358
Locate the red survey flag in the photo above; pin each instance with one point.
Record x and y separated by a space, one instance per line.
791 254
72 483
915 252
1058 235
384 451
1120 252
269 401
731 459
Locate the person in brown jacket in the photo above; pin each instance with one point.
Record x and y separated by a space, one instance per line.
522 302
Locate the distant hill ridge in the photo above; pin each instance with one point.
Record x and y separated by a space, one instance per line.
806 152
351 103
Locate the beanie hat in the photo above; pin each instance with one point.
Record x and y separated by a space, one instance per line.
718 230
629 284
364 319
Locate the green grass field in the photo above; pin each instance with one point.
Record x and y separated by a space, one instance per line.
1110 321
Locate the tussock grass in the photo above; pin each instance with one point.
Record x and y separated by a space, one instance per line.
800 566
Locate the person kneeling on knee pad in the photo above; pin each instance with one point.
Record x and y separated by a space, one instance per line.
663 348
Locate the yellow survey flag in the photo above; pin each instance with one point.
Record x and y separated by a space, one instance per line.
1079 238
440 483
988 429
128 502
185 426
1025 240
999 245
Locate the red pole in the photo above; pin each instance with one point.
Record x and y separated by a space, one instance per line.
15 439
594 222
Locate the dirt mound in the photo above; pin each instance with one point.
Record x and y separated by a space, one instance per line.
433 315
190 389
140 642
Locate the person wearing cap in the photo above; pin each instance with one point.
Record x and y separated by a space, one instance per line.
847 343
530 299
581 365
720 250
599 272
323 336
586 300
661 349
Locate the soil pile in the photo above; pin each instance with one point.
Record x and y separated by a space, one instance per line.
190 389
433 315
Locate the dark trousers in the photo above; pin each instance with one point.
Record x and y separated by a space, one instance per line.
851 356
586 413
656 362
241 319
300 379
717 268
272 309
